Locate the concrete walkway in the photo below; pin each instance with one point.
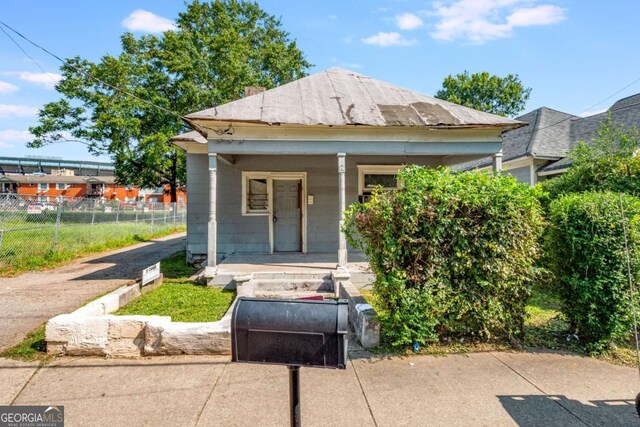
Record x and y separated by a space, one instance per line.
490 389
32 298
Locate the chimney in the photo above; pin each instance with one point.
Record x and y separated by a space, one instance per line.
252 90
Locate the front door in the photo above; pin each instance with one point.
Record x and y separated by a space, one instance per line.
287 215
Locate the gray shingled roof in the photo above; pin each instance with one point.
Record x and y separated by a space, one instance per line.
338 97
545 136
193 136
625 112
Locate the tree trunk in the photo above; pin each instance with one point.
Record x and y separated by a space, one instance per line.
173 180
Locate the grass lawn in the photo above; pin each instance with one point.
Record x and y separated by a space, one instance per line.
33 347
31 247
545 328
177 297
184 301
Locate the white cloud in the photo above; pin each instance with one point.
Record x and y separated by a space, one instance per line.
14 110
9 137
479 21
539 15
148 22
46 80
408 21
333 17
383 39
7 88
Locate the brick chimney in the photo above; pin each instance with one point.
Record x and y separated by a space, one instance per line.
252 90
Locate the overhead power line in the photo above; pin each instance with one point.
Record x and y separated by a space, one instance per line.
79 70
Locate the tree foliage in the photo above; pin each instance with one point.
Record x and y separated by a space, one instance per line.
607 163
453 254
586 253
129 105
505 96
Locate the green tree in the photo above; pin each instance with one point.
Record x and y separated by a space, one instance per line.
607 163
129 105
505 96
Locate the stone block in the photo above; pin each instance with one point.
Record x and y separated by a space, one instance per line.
78 335
189 338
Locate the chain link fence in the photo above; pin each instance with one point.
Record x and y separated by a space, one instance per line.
37 227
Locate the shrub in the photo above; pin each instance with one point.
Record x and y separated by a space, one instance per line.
454 254
587 257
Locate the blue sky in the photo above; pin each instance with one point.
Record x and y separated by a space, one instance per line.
573 53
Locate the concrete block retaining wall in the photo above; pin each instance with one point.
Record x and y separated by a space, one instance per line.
93 331
361 315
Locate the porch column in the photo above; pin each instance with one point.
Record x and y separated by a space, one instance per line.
497 161
342 238
212 224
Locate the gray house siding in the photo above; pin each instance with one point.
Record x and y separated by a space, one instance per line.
250 234
522 174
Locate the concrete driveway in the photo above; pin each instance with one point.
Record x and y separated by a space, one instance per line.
486 389
32 298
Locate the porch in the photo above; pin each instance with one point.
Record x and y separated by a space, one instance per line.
291 266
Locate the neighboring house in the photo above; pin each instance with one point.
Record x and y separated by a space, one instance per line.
51 188
161 195
538 151
274 172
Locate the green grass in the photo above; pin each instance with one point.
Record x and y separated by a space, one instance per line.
182 300
31 248
33 347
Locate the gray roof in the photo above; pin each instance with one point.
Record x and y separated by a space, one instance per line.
193 136
337 97
546 135
625 112
52 179
551 134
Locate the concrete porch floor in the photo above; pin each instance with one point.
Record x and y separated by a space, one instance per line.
294 264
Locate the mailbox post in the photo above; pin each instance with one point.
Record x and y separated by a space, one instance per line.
294 333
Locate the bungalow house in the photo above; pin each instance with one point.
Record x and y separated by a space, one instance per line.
273 172
538 151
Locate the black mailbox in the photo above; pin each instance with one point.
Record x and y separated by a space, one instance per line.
290 332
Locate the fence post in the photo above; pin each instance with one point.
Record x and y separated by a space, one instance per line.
135 226
3 215
93 219
117 215
55 235
174 208
153 218
164 210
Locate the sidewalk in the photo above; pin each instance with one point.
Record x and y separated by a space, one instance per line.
526 389
28 300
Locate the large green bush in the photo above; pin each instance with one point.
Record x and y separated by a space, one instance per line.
454 254
586 253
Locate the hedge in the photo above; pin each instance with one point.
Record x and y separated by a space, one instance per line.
586 254
454 254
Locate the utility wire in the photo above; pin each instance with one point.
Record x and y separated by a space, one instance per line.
89 75
28 56
85 73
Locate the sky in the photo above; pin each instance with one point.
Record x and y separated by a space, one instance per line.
578 56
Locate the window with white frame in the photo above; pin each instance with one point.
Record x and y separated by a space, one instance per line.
43 186
371 177
255 193
61 186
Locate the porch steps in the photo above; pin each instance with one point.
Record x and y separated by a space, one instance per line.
301 285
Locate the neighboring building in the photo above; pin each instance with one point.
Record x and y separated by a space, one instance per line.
274 172
50 178
538 151
162 195
49 188
29 165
